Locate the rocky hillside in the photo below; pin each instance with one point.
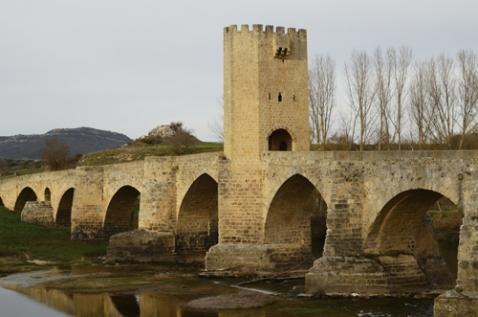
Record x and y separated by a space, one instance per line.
80 141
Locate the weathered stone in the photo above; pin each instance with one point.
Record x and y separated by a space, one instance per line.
38 212
454 304
141 246
254 257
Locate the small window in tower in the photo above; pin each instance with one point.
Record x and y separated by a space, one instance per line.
280 97
293 98
270 97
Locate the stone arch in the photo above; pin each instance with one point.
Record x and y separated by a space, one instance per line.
197 223
280 140
297 216
65 206
122 213
408 226
47 194
27 194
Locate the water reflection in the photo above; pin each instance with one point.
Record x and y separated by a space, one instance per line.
125 305
150 303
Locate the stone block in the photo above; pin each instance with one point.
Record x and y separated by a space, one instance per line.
454 304
255 257
141 246
38 212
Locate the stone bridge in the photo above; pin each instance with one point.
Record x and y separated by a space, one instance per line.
371 223
359 220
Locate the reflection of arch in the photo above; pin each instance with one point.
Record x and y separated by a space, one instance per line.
63 215
122 212
197 226
27 194
280 140
297 215
47 194
405 226
126 305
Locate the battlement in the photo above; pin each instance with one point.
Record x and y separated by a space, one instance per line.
268 29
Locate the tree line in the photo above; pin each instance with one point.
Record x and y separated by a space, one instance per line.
395 101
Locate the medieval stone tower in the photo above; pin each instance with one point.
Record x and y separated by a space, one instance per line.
265 91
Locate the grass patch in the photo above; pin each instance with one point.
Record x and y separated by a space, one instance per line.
11 168
36 242
138 151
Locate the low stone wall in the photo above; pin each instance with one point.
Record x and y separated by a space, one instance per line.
38 212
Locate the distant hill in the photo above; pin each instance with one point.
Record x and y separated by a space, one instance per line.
80 140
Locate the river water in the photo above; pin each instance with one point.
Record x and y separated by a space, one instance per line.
113 293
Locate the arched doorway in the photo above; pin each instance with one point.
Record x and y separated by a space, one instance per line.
197 226
280 140
63 215
297 217
420 228
47 194
27 194
122 213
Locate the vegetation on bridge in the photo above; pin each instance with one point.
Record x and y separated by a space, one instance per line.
25 243
139 151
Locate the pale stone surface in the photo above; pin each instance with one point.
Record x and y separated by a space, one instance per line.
141 246
454 304
38 212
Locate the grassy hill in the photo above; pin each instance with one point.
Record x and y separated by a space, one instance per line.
9 168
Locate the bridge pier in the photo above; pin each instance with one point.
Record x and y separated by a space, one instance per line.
87 211
463 300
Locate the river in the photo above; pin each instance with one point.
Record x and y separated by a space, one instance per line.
126 292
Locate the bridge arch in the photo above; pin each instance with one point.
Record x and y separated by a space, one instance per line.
65 206
422 224
297 215
197 221
122 213
27 194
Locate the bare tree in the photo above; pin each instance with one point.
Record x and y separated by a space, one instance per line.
217 127
420 110
383 87
401 64
468 92
442 94
345 136
361 93
56 155
322 97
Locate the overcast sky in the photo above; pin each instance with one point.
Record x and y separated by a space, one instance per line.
130 65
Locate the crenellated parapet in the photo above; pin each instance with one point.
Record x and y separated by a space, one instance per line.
268 29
